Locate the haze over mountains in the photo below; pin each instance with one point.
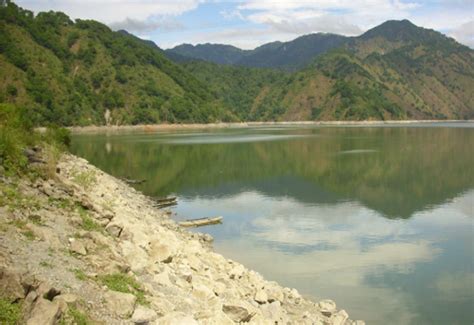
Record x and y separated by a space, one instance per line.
73 72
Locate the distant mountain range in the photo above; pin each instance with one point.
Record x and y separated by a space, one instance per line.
81 72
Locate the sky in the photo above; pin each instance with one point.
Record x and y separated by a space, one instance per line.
250 23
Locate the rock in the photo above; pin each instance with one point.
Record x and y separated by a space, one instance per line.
122 304
261 296
274 292
78 247
114 229
273 312
327 307
44 312
68 298
236 272
177 318
163 279
136 257
161 252
339 318
237 313
202 292
143 315
10 285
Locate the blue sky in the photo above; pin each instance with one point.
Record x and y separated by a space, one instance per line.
250 23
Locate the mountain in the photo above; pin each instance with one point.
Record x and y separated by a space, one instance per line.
394 71
68 72
287 55
217 53
81 72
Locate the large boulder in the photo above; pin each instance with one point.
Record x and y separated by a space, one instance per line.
143 315
176 318
237 313
10 285
121 304
44 312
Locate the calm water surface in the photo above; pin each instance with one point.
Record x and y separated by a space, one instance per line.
379 219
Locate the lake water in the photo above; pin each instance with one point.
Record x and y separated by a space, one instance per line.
380 219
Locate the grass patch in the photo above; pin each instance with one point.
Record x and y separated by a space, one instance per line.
79 274
10 313
29 234
85 179
10 196
88 223
46 264
124 283
75 316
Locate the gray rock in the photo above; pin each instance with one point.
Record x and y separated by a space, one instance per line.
327 307
177 318
44 312
121 304
114 229
10 285
237 313
78 247
143 315
261 296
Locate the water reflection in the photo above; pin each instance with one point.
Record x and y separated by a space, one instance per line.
379 269
379 219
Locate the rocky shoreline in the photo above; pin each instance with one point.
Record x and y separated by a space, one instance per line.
84 245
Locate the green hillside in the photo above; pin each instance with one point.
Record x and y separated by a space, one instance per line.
73 72
81 72
394 71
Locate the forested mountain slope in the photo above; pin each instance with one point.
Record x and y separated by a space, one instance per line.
72 72
80 73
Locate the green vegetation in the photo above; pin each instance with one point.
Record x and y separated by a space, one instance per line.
124 283
87 222
10 313
66 72
85 179
75 316
79 274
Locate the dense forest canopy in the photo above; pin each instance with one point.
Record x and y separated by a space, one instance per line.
81 72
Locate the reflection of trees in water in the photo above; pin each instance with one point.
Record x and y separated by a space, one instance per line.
410 170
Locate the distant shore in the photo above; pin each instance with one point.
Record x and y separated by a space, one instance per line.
158 127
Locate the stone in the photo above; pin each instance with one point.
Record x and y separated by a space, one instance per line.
136 257
176 318
202 292
237 313
122 304
143 315
163 279
261 296
114 229
10 285
237 272
327 307
68 298
161 252
272 311
78 247
339 318
44 312
274 293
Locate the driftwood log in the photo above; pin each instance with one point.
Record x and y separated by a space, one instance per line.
201 222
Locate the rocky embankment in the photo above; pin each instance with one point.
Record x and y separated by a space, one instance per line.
83 247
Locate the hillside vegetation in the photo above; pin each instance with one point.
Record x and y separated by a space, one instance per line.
394 71
80 73
69 72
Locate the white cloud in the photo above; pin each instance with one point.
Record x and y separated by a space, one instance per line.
464 33
148 25
111 11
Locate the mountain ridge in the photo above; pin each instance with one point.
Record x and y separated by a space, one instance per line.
81 73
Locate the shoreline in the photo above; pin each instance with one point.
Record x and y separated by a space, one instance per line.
167 127
98 246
